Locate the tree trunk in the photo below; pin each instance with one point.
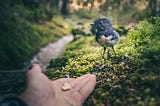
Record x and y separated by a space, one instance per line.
54 3
132 2
153 7
64 9
60 3
92 5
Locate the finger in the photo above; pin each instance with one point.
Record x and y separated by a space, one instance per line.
86 90
37 82
81 84
78 80
35 76
33 70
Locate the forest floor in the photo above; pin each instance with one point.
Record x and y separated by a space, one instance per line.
131 78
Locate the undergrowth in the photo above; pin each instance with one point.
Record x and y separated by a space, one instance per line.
21 38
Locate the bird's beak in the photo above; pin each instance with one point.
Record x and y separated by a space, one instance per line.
92 24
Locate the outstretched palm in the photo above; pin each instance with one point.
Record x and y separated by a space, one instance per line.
41 91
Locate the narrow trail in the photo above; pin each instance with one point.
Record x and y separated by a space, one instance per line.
51 51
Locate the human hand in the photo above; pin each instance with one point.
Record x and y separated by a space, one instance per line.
41 91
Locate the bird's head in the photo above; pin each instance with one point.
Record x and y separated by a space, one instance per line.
102 24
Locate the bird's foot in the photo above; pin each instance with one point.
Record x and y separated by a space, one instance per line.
102 61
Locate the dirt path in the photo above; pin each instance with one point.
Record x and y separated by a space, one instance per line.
51 51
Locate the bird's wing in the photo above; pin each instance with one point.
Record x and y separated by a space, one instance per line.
115 36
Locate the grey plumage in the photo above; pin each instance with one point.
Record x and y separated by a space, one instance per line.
106 35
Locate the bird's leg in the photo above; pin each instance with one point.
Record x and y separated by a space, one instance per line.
103 52
114 51
108 53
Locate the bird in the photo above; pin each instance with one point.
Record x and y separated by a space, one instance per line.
105 34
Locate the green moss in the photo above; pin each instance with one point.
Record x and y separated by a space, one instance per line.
130 78
76 63
82 43
145 37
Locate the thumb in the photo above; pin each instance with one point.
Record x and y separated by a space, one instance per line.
33 71
35 78
36 84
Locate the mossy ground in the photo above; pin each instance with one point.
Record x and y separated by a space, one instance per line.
131 78
23 38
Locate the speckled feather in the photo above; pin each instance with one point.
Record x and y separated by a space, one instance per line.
105 33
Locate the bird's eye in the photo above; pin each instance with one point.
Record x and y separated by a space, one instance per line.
101 23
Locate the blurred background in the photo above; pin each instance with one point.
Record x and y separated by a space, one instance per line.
132 78
27 25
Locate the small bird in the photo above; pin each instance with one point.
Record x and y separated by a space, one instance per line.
106 35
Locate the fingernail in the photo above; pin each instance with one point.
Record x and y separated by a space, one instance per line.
93 76
30 67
